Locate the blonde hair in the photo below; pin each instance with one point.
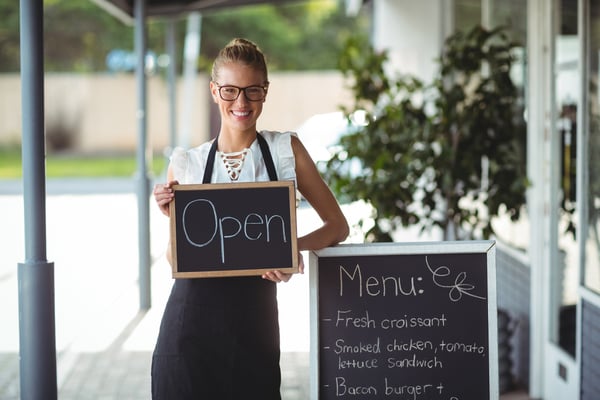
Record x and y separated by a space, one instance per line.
240 51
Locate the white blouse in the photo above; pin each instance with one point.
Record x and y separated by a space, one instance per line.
188 165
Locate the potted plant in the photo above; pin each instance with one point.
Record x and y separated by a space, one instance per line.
448 154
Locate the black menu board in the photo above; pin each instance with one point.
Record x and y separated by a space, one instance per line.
414 321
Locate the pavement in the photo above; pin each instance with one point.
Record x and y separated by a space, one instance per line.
104 341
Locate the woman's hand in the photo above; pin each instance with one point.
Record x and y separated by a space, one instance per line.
278 276
163 194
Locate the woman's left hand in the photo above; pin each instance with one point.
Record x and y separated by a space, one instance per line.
278 276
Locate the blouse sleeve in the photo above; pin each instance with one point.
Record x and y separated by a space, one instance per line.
287 163
179 163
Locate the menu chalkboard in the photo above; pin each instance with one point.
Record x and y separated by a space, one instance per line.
414 321
233 229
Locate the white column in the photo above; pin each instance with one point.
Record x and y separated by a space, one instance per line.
413 32
540 117
191 52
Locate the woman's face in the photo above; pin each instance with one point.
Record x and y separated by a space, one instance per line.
239 114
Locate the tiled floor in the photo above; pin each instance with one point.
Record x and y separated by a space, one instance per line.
516 395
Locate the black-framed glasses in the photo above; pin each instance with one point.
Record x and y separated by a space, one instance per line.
252 93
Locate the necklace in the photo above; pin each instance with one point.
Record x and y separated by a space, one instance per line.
234 162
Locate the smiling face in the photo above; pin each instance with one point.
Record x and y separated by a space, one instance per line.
239 115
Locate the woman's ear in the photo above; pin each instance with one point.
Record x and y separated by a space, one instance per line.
214 91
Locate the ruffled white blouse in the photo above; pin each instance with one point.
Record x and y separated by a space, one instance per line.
188 165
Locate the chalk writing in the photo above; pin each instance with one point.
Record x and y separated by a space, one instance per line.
349 319
406 322
414 362
414 391
352 321
342 389
458 288
378 286
462 347
342 347
354 363
411 345
389 388
227 227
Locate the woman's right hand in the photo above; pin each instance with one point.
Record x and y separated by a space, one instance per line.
163 194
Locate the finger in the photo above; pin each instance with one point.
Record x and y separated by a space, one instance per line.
268 276
158 190
300 263
163 192
282 276
273 276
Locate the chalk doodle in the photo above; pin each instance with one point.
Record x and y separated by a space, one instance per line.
458 288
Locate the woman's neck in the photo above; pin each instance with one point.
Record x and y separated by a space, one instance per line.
230 142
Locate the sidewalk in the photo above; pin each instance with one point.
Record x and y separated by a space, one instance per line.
104 342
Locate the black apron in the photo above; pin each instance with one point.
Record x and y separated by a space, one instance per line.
219 337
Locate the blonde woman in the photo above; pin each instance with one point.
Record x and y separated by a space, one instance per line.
219 337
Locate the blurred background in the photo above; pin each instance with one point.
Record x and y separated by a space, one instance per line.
431 120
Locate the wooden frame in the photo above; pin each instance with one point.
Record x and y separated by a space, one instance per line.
250 229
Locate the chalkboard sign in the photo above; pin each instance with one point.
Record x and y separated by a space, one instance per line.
404 321
233 229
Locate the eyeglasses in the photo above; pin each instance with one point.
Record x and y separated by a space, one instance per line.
252 93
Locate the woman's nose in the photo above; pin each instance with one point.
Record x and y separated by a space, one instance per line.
242 98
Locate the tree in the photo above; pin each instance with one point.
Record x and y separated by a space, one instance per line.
305 35
78 38
78 35
9 35
449 154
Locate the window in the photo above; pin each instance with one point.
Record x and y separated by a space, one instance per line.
592 232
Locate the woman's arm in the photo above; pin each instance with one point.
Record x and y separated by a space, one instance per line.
163 195
163 192
310 184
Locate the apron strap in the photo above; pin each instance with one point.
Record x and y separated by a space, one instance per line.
264 149
210 162
266 153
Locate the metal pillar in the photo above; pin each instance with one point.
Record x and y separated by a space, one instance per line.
191 53
143 153
37 335
172 79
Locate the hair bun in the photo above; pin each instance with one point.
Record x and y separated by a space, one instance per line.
240 50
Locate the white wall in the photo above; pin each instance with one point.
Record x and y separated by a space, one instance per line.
413 32
101 109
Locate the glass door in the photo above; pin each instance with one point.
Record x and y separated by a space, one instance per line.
591 233
564 276
560 368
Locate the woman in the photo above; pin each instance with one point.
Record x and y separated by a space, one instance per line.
219 337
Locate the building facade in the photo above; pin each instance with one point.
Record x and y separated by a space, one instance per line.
557 356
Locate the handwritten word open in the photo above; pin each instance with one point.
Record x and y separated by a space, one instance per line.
251 226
